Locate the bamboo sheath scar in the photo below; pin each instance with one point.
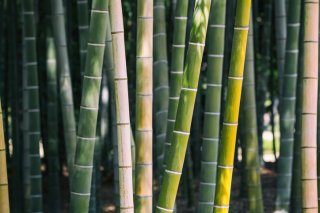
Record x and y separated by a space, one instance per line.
143 134
287 109
122 108
188 93
176 69
86 137
231 114
210 140
4 189
66 96
31 112
309 107
161 85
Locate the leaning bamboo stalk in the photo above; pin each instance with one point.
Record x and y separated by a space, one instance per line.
231 113
143 134
31 109
122 108
249 134
161 88
86 136
211 132
66 96
176 69
287 109
187 98
4 191
83 28
309 107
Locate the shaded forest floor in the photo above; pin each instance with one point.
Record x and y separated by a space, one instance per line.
238 204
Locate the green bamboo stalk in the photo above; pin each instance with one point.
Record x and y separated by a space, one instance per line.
31 109
86 137
231 114
52 125
161 86
248 133
287 109
176 70
211 132
122 108
66 96
4 190
143 134
83 27
187 98
309 107
281 37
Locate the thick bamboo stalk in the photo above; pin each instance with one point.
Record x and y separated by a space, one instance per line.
52 125
231 114
281 37
309 107
31 110
4 191
287 109
83 28
211 132
188 94
122 108
249 133
176 69
143 134
86 137
161 85
66 96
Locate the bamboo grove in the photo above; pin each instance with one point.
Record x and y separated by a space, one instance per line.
207 106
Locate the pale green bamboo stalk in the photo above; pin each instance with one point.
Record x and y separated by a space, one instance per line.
86 136
249 133
287 109
187 98
176 70
161 85
309 107
66 96
122 108
211 132
231 113
143 134
31 111
4 189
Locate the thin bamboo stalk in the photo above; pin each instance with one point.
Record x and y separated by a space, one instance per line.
143 134
309 107
287 109
86 137
161 85
66 96
211 132
231 114
4 191
31 110
188 94
249 134
122 108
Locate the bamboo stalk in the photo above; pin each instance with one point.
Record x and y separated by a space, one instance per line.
122 108
86 136
210 140
188 94
309 107
143 134
4 191
31 110
287 110
231 114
